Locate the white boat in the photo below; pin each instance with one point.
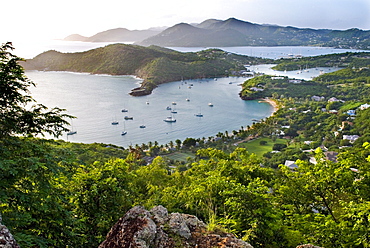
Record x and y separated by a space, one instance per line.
187 99
174 111
71 132
199 114
124 132
210 104
170 119
168 108
174 103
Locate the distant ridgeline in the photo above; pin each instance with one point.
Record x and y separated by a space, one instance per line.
234 32
154 64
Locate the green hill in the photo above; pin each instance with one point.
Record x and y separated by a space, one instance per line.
155 65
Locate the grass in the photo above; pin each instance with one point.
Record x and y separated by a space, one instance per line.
254 146
180 156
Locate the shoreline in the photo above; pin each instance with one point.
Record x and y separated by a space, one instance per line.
273 103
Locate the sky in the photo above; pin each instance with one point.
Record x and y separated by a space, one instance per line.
46 19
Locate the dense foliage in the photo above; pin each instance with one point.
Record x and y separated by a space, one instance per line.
269 86
19 114
52 198
58 194
348 59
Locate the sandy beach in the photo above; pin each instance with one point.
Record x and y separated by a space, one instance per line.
272 103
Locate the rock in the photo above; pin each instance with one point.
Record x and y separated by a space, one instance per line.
6 238
178 225
135 229
160 214
158 229
308 246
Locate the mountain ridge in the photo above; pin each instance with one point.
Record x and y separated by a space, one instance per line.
116 35
233 32
212 32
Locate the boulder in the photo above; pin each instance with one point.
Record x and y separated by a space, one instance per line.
156 228
6 238
308 246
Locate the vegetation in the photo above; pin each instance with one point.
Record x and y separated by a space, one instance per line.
348 59
57 194
18 112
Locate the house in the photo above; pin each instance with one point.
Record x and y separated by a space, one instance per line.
291 164
276 78
331 156
256 89
295 81
364 106
351 138
317 98
333 99
351 112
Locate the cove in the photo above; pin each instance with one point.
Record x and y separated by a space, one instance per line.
98 100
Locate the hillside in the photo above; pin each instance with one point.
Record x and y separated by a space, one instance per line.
153 64
309 185
115 35
361 59
234 32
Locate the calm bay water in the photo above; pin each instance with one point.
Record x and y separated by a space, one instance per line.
29 49
276 52
97 101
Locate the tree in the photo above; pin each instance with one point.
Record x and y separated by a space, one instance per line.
278 147
19 113
103 194
188 142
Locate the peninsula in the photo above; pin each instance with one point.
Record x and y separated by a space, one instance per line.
155 65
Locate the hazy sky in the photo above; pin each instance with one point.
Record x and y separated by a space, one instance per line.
56 19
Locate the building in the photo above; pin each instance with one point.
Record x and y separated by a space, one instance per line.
351 138
318 98
364 106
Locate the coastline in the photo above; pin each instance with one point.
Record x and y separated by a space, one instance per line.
273 103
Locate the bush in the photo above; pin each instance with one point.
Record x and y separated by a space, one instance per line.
278 147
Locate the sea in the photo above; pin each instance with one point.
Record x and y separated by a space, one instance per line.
201 108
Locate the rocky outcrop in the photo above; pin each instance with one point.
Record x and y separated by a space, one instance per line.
308 246
6 238
157 228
